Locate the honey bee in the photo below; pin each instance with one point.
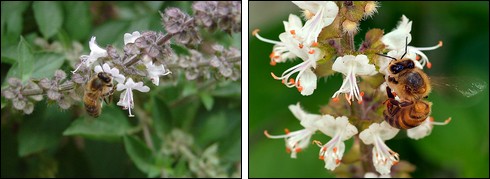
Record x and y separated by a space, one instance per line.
411 85
99 87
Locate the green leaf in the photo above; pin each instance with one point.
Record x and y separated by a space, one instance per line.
12 20
13 72
46 64
207 100
228 89
110 32
153 5
181 168
9 54
25 60
49 17
111 124
78 19
189 89
139 24
213 128
162 118
141 155
42 130
185 115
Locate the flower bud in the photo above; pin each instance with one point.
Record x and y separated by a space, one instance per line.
53 95
29 108
19 104
59 75
370 8
349 26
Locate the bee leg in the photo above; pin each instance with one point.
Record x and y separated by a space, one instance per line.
405 103
389 93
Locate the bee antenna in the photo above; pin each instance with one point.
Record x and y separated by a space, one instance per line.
386 56
406 45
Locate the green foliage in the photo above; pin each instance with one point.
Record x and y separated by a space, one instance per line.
48 16
52 142
142 156
46 64
111 124
25 62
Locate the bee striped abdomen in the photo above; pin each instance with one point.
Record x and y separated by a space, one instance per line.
409 116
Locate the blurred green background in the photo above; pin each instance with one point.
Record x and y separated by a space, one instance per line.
459 149
52 142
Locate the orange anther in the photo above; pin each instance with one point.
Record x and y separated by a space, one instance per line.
359 102
335 150
273 62
314 44
291 81
324 149
283 81
337 161
255 32
447 120
300 45
440 44
286 130
293 32
298 150
362 93
272 55
321 157
429 65
395 162
311 51
288 150
300 88
336 99
431 119
417 57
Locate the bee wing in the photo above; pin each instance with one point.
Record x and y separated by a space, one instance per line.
462 86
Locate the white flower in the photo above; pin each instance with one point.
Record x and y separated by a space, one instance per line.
304 68
289 47
351 66
113 71
425 128
95 53
325 13
383 156
298 140
374 175
154 72
126 98
400 37
340 130
293 25
130 38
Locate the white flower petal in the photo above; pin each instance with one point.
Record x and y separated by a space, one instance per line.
98 69
131 38
308 82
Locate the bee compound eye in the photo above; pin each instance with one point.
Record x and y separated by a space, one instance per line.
410 64
396 68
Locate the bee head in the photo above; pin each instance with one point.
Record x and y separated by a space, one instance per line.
106 77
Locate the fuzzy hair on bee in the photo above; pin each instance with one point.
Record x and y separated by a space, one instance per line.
99 87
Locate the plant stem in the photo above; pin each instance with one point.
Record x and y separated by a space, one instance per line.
143 118
366 157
